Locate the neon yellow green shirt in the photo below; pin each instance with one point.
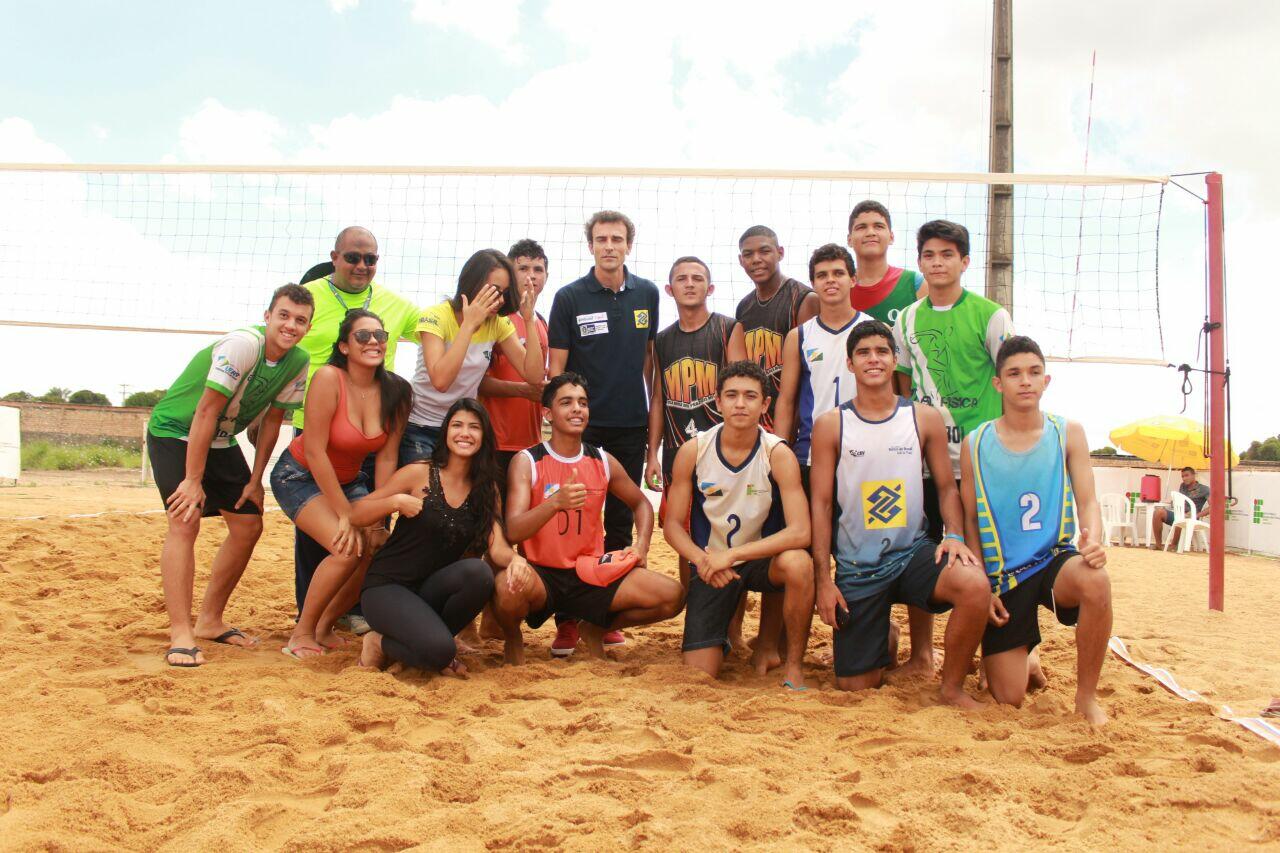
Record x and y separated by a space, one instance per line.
399 318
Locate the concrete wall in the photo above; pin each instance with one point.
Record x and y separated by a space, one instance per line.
1253 524
69 423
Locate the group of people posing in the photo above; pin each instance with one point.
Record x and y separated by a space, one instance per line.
882 420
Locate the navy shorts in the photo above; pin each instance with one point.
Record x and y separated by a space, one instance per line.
569 595
708 611
294 487
225 474
862 642
1023 603
417 442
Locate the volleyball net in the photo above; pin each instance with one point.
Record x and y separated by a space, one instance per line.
172 248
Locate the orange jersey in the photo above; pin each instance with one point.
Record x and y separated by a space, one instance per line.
570 533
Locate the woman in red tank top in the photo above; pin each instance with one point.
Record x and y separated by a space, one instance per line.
354 407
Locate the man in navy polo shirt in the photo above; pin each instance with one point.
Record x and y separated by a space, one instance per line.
603 327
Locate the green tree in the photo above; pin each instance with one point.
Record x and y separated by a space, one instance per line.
1263 451
85 397
144 398
17 397
54 395
1103 451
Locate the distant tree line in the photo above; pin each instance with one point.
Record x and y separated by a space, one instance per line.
83 397
1267 450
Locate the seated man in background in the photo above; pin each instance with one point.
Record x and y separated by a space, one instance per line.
1193 490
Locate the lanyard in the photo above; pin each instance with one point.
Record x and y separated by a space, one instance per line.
338 296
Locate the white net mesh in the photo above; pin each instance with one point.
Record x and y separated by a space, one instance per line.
155 248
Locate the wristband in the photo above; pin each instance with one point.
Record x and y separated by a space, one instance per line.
955 536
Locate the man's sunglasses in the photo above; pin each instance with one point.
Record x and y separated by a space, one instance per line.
363 336
370 259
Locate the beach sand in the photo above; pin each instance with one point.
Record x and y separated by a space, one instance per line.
106 747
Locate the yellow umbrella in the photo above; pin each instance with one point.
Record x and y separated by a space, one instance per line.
1169 440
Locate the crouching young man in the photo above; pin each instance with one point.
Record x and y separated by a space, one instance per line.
868 455
1024 477
748 531
555 509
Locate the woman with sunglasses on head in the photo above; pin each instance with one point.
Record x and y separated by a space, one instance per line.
458 337
354 407
429 581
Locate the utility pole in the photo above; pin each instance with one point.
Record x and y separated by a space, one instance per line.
1000 158
124 393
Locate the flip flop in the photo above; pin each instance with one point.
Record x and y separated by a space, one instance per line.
787 684
225 637
176 650
292 651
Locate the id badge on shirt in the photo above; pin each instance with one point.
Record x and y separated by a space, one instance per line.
593 324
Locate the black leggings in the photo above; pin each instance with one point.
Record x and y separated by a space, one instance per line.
417 627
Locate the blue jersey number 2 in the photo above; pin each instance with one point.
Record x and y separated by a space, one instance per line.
1030 503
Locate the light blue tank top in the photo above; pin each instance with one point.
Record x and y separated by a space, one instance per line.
1026 510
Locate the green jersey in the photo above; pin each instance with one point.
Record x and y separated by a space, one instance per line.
950 355
887 298
235 366
399 317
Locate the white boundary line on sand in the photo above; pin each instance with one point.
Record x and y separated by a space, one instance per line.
1261 727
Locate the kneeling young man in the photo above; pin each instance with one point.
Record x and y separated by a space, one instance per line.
555 503
739 471
1024 475
869 454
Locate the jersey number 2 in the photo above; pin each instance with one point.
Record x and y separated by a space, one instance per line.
735 525
1030 503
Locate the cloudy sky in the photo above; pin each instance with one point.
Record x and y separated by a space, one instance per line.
1180 87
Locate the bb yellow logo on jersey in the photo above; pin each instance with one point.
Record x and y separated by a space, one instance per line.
883 504
642 318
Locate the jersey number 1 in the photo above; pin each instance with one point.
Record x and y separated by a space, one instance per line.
563 525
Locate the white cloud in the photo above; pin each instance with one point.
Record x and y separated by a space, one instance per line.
494 22
218 134
99 132
19 143
341 6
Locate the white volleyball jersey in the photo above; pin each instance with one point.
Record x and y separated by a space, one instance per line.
879 492
733 504
825 378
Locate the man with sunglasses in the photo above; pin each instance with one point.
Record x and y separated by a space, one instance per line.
350 285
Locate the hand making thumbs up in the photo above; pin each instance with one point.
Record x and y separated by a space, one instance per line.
572 494
1094 554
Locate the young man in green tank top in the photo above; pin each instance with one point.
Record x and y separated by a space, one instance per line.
201 472
880 289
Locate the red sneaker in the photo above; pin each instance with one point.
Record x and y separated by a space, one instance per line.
566 639
613 638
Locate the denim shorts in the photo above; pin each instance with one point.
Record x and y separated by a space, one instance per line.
418 442
294 487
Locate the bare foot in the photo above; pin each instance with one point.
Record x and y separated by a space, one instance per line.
956 697
915 667
371 653
468 641
513 650
1036 679
489 627
330 640
737 641
894 634
1089 708
221 632
793 677
592 636
765 658
455 668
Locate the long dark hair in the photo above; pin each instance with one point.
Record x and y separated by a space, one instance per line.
486 476
397 395
475 272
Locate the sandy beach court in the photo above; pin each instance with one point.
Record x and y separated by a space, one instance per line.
106 747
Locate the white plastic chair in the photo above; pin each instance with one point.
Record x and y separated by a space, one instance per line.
1183 517
1117 519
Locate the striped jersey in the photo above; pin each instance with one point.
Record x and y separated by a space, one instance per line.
733 504
571 533
1026 509
825 378
879 496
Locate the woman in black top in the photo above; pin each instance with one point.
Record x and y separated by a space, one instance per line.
428 581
